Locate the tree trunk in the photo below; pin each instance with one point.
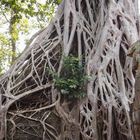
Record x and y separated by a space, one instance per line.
13 40
99 33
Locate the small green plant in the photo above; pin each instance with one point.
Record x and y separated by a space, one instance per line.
72 78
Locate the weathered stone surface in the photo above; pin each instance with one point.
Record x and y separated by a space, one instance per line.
136 109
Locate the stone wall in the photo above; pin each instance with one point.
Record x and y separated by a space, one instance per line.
136 109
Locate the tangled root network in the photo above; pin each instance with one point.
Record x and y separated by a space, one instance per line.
99 33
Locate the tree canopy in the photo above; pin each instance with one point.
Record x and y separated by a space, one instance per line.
21 17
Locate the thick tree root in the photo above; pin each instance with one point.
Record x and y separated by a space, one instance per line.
99 33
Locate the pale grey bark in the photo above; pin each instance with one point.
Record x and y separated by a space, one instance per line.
99 32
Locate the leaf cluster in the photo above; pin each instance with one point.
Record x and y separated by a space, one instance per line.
72 78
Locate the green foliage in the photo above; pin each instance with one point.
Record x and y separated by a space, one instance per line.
54 1
20 17
3 40
4 52
72 79
59 1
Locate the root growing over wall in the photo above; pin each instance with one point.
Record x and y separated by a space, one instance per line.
99 33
